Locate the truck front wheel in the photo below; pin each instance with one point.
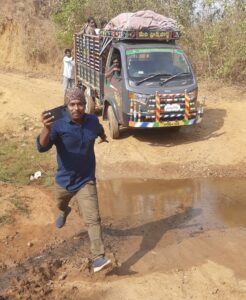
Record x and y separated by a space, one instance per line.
114 129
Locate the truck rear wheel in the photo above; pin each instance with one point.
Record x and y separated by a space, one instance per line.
90 104
113 124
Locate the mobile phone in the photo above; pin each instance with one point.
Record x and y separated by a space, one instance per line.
57 112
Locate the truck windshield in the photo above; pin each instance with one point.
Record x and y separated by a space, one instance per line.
155 63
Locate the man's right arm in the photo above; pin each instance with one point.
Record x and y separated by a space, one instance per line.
109 74
44 137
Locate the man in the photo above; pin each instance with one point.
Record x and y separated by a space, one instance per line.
115 69
91 26
103 24
68 70
74 136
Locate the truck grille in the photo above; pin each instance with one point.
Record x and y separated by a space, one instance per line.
172 107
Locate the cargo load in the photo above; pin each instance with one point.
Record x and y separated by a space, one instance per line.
142 20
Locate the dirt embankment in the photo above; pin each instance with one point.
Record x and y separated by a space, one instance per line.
28 38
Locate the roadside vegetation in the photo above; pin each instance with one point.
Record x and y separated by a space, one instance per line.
213 32
19 158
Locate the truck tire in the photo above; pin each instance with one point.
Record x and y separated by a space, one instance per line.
90 104
114 129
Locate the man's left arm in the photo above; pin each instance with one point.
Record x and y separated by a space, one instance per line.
101 133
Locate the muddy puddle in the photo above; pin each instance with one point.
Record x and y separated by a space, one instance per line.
212 202
142 219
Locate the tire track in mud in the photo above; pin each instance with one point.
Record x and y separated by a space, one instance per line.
74 252
55 255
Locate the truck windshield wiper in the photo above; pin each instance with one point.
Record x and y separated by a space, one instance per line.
174 76
152 76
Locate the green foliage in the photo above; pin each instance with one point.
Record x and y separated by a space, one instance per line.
71 15
213 31
65 38
68 14
217 48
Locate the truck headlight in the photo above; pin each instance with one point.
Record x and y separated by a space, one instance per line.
193 94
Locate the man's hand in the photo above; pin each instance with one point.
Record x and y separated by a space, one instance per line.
47 120
116 69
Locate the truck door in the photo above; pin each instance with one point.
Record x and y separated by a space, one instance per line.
113 82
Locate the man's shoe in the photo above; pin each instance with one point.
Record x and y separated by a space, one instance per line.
100 263
61 219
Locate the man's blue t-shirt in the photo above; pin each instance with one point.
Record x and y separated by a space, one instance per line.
75 150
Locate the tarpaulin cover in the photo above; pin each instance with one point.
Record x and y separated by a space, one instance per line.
142 20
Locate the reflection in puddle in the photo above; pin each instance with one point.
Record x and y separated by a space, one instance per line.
222 201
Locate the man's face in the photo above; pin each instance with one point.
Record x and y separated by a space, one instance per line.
92 24
116 63
76 109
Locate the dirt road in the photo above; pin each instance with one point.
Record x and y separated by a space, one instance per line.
216 147
180 262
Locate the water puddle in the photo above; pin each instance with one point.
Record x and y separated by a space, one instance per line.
213 203
151 214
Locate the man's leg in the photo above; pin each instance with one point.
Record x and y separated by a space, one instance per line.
88 206
65 84
62 198
71 83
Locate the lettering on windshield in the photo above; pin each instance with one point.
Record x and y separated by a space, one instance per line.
147 50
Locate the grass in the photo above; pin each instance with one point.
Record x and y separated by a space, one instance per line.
6 219
19 159
19 204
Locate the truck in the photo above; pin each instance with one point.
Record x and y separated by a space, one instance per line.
156 86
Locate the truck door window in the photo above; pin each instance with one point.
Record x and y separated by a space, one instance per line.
114 66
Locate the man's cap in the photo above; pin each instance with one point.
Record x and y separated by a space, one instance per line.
74 94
